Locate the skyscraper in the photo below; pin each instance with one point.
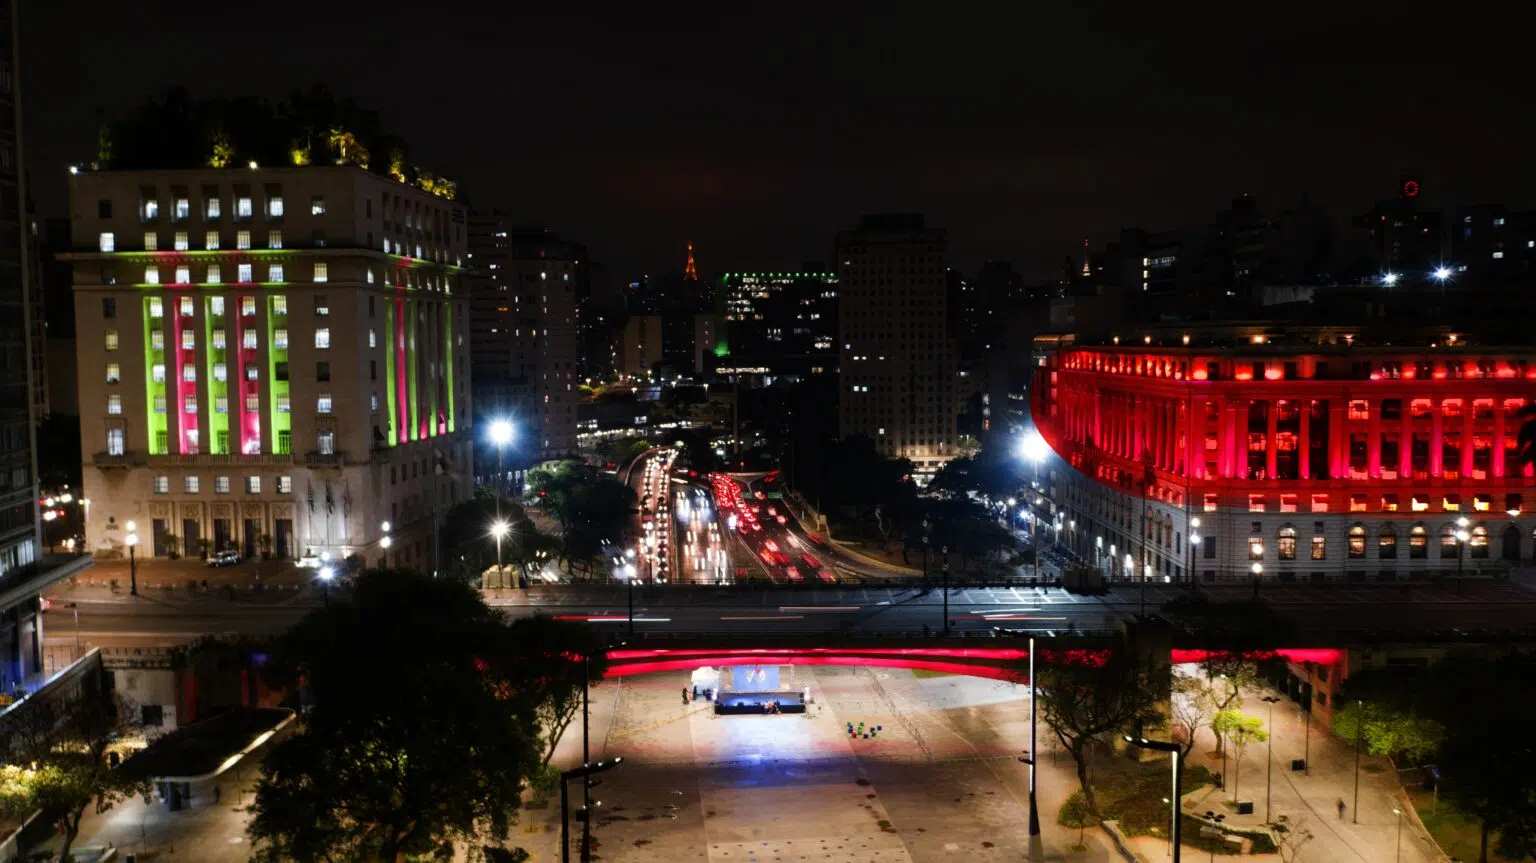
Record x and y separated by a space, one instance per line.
897 362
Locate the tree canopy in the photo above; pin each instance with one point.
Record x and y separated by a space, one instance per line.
590 506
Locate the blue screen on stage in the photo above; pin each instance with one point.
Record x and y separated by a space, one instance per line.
755 678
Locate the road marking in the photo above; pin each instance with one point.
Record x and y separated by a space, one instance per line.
765 617
819 607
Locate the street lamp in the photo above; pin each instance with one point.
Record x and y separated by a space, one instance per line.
1178 757
1441 274
499 529
132 539
1194 542
629 576
501 435
1034 448
385 542
1258 570
1399 813
1461 549
1359 737
326 574
1269 776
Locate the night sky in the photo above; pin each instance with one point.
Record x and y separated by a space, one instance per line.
756 130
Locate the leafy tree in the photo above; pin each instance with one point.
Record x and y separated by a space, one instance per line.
1388 729
67 768
415 743
540 661
590 506
1085 695
1190 708
1240 731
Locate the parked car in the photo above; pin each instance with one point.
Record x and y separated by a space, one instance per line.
228 557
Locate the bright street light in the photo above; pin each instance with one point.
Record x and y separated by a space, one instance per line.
387 541
501 432
1033 447
500 529
327 573
1442 273
384 527
1389 279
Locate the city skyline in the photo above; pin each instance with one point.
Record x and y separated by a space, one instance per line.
1021 145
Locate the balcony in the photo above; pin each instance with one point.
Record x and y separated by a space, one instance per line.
220 460
125 460
316 459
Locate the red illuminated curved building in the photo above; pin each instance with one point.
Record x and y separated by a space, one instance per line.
1315 455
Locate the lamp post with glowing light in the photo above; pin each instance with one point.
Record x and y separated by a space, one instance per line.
326 574
1269 755
385 542
1462 536
501 436
1258 570
1194 543
132 540
499 529
1173 802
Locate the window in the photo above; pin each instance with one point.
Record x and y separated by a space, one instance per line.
107 241
149 209
152 275
211 209
369 276
1386 543
323 403
1285 543
1319 547
279 305
220 372
323 337
115 441
215 275
157 340
252 403
275 207
189 341
183 275
252 372
180 241
157 373
1418 542
1255 548
325 441
189 484
1479 542
274 272
114 373
322 272
216 306
109 338
181 209
373 402
373 339
161 485
108 307
243 274
322 371
190 404
248 340
316 206
253 485
103 209
211 241
1448 545
151 241
221 405
243 208
221 485
1255 503
373 370
283 405
242 239
115 404
322 305
285 485
280 338
1357 542
274 239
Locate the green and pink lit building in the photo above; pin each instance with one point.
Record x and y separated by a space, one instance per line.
272 360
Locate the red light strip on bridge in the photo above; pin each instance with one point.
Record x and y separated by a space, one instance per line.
990 653
993 672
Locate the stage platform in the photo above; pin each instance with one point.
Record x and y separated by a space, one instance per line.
739 703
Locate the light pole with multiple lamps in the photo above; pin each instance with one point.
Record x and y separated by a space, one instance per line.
132 540
1178 757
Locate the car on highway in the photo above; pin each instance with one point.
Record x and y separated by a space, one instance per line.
794 574
228 557
810 560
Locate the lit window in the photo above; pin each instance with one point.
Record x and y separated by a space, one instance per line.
370 275
323 337
188 341
274 239
114 373
110 338
180 241
211 241
149 209
283 405
181 209
242 208
275 207
323 403
221 404
216 306
1255 548
373 339
1285 543
274 272
157 373
248 340
280 338
247 306
279 305
156 309
1319 547
159 403
326 442
151 241
317 206
1498 255
373 402
185 307
253 485
242 239
252 403
162 485
1255 503
1209 503
115 441
152 275
285 485
221 485
189 373
107 241
211 210
189 484
243 274
322 272
183 275
215 275
322 305
220 372
114 404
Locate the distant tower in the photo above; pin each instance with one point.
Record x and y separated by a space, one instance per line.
690 272
1087 270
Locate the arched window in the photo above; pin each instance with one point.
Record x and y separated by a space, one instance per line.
1386 543
1418 542
1448 541
1357 542
1511 543
1479 542
1285 543
1319 546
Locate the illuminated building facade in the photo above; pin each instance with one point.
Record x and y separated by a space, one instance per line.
1320 458
272 360
897 362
